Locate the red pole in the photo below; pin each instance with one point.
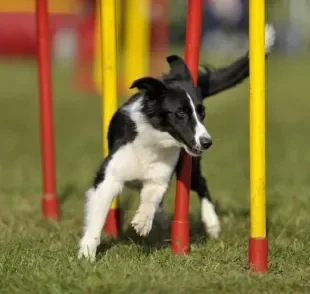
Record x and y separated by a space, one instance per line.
180 225
159 36
49 199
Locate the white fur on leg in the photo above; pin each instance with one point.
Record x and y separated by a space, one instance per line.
210 219
270 37
98 203
151 196
143 219
88 247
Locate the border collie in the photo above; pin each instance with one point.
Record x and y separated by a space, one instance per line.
145 138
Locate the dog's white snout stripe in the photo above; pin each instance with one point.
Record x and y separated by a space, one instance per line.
200 130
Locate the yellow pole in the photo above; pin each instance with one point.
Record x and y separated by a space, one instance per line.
109 70
97 71
257 119
258 243
118 24
136 44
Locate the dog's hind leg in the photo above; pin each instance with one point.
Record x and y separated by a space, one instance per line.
150 198
98 203
208 215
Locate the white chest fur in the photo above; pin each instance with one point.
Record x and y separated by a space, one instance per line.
152 156
137 161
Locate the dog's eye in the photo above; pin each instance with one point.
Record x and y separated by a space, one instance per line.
180 114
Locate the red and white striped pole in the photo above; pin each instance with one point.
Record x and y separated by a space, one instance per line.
180 225
49 198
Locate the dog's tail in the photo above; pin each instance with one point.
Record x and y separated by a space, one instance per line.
212 81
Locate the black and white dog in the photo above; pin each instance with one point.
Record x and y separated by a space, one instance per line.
145 138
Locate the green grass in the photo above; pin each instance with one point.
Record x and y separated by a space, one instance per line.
40 257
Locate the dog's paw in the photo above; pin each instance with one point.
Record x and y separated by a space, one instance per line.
270 37
162 218
143 221
213 229
210 219
88 250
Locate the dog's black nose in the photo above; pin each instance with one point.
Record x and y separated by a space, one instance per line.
205 142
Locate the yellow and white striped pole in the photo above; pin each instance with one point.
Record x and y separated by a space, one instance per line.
109 91
137 41
258 244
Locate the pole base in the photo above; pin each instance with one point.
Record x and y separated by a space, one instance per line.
258 254
112 227
50 207
180 237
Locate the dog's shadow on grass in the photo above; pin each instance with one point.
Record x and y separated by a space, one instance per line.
158 238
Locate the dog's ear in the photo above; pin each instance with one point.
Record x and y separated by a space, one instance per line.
150 85
179 68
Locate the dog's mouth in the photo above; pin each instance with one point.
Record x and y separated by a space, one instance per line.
189 146
193 151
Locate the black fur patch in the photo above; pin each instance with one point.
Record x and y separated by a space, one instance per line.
122 130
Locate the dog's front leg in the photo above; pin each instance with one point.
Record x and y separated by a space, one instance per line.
150 197
97 206
208 215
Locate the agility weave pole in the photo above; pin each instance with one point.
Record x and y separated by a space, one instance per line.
137 41
109 92
49 198
97 64
180 225
149 30
159 38
258 243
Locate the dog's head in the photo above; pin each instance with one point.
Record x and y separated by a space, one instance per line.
174 105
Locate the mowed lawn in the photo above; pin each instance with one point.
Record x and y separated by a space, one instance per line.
41 257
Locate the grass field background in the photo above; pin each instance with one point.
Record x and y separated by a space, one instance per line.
41 257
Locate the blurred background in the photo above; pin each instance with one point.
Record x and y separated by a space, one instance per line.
73 26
